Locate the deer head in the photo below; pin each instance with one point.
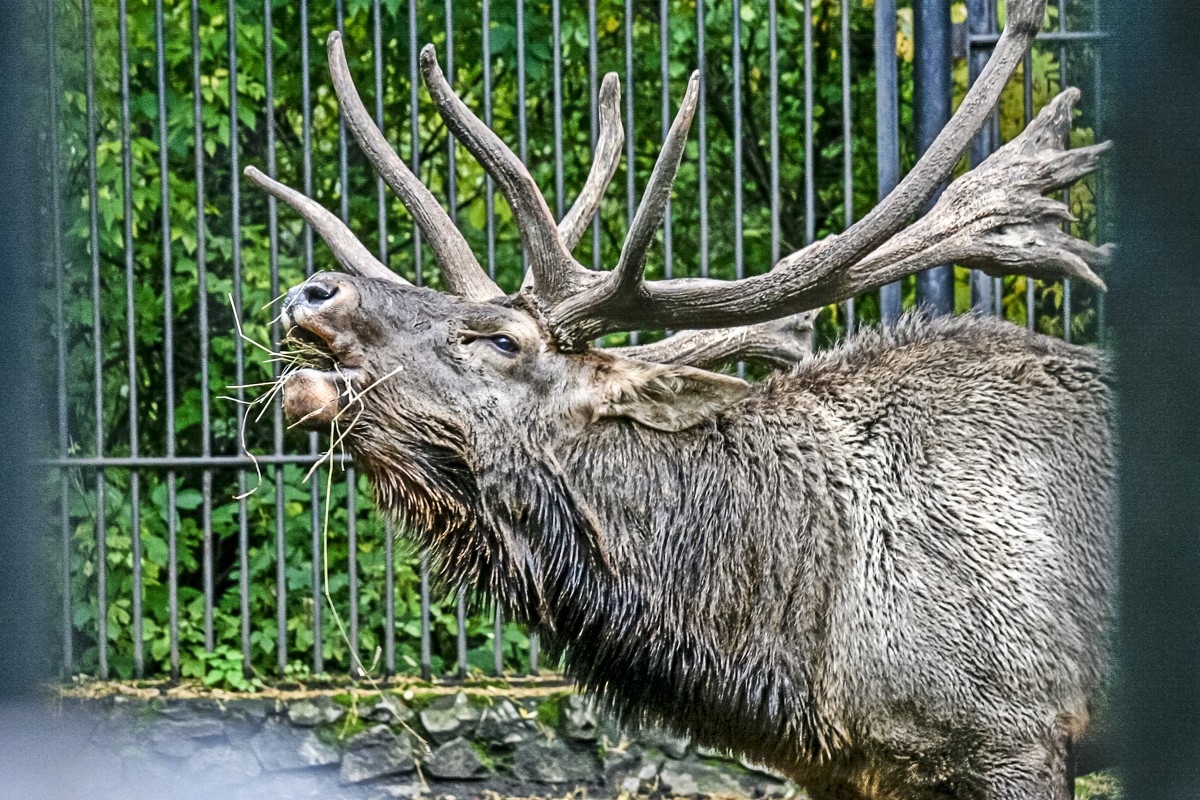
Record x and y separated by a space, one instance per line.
430 387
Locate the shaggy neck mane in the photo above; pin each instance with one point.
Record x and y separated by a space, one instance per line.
609 565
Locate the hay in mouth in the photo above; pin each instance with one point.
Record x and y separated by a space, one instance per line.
306 349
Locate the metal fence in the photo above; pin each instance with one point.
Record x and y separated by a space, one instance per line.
170 565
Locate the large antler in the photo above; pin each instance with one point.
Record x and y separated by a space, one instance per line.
556 275
836 267
460 269
994 218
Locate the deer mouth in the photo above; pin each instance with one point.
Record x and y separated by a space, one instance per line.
319 384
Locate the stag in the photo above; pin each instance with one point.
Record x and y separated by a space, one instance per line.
883 570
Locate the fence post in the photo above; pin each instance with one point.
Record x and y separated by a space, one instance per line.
1152 111
887 129
932 63
981 20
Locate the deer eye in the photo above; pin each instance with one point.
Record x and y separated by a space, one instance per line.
505 344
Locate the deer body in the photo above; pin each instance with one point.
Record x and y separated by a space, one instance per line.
884 570
887 567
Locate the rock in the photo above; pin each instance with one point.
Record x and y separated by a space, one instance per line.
628 767
673 746
182 738
402 790
448 718
691 778
374 753
501 724
317 711
456 760
224 764
577 718
554 762
279 746
388 709
250 712
192 709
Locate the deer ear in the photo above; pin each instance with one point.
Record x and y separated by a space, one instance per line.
666 397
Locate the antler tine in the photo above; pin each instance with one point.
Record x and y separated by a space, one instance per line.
556 274
347 249
607 156
805 279
460 269
782 342
650 210
996 219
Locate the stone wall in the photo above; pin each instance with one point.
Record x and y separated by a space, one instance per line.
460 745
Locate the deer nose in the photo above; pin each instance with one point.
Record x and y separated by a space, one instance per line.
313 295
316 294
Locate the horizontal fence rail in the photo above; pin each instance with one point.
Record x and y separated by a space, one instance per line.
191 544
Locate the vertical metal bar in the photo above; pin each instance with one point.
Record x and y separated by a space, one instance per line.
419 279
352 568
498 640
97 347
931 88
452 202
594 83
235 215
164 180
738 229
556 24
380 187
414 128
497 622
460 637
202 315
630 135
318 655
773 83
426 639
810 183
1066 192
1030 283
523 133
522 120
68 644
664 43
281 638
131 337
847 147
887 131
389 576
354 664
343 169
490 199
980 19
389 605
451 146
702 138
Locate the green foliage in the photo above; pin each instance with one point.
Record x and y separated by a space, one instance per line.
1098 786
222 243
